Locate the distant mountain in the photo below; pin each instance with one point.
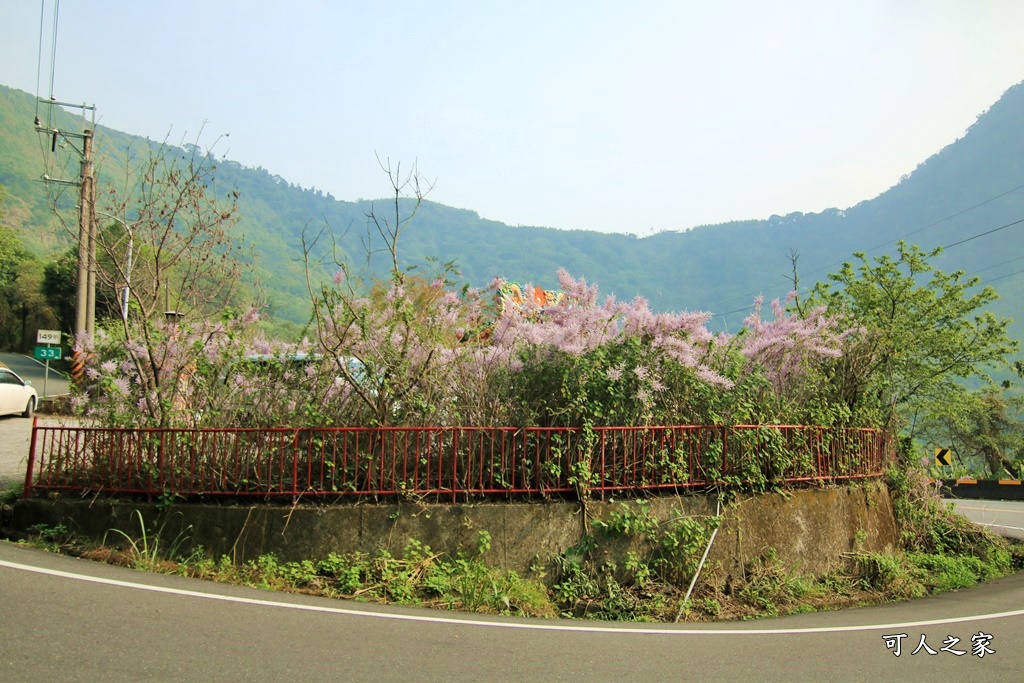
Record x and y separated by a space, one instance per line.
974 185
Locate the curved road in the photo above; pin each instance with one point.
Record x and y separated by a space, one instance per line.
15 431
1003 517
73 620
52 384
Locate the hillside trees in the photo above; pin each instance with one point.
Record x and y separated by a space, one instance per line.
984 431
22 308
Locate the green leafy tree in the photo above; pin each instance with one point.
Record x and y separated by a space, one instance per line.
60 279
12 251
919 332
22 308
13 258
984 431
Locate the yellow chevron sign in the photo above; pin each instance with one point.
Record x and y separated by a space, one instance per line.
943 457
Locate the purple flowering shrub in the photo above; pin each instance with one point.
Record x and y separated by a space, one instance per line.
612 363
408 351
209 373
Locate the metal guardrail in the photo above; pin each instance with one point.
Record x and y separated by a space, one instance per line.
444 462
983 489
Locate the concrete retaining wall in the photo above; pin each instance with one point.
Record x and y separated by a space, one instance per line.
808 529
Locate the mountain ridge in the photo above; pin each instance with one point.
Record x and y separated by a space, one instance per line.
970 185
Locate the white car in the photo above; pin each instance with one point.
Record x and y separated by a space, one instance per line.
17 397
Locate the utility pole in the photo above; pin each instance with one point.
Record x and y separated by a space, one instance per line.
85 309
85 304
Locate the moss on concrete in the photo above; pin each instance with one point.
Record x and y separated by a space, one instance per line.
809 530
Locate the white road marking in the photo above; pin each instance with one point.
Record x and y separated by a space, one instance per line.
539 626
1000 526
988 509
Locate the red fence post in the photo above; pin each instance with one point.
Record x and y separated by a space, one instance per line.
31 459
455 465
295 463
725 459
59 459
160 456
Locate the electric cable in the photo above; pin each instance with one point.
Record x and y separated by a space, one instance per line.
1001 277
945 248
893 241
53 53
39 58
987 232
807 290
998 264
955 215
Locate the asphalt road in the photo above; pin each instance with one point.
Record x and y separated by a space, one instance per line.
15 438
16 432
73 620
54 384
1003 517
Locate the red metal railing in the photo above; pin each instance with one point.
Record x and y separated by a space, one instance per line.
443 461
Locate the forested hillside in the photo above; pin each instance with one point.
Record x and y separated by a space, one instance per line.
974 185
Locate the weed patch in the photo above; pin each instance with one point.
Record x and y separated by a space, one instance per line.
418 577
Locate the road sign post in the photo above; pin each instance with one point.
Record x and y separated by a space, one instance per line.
48 352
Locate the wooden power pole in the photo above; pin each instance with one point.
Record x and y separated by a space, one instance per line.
85 304
85 309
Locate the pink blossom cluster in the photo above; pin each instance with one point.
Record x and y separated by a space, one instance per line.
581 325
415 351
183 375
789 345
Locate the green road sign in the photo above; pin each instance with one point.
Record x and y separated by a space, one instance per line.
47 353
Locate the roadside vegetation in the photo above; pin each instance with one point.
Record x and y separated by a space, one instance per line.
889 344
941 551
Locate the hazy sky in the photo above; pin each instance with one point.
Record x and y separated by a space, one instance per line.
614 116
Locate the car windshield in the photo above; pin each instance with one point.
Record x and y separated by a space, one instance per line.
8 377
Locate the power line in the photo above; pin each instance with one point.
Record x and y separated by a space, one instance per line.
53 52
955 215
987 232
947 247
893 241
998 264
1002 277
